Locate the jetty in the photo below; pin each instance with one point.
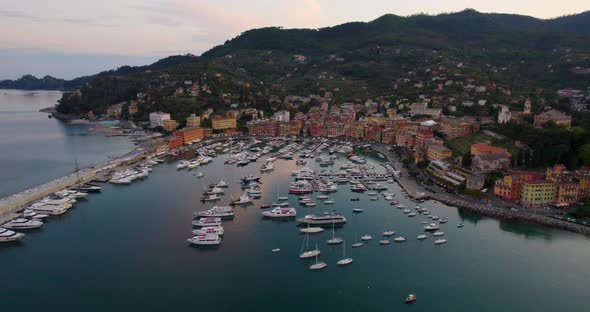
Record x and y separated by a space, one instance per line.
10 204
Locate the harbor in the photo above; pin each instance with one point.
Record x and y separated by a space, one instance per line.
169 198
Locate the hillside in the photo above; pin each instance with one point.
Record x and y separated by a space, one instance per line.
386 57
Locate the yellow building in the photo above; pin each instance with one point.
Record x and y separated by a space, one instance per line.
537 193
220 123
193 121
438 152
169 125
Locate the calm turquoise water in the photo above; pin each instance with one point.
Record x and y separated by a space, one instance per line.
125 249
35 149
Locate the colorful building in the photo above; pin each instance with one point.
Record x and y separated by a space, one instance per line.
174 143
169 125
537 193
193 121
189 135
263 128
510 186
438 152
221 123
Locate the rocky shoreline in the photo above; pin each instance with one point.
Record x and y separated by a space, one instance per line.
512 215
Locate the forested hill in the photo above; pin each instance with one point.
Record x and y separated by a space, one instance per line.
358 61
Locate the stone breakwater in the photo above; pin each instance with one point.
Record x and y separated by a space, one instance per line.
411 187
511 215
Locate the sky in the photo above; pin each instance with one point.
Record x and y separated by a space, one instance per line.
71 38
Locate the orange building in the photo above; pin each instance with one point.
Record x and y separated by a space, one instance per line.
174 143
189 135
221 123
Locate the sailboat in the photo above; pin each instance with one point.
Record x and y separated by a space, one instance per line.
318 265
334 240
344 260
357 243
308 253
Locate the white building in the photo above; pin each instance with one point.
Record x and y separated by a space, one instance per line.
422 109
283 115
504 115
157 119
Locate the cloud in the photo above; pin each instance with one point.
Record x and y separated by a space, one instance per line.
66 20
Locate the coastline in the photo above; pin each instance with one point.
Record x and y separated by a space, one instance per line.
411 187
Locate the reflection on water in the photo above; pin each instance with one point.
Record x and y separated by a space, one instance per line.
529 231
470 216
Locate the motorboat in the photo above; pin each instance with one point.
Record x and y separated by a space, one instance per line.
87 188
355 199
49 208
443 220
267 167
217 211
459 225
422 236
283 198
399 239
323 218
281 204
407 210
22 224
412 214
388 233
410 298
438 233
28 213
212 197
366 237
329 202
221 184
9 236
217 230
210 222
183 164
357 210
244 199
359 188
440 241
300 187
431 227
279 212
200 174
322 197
250 178
384 242
205 240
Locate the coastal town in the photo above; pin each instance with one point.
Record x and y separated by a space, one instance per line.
462 155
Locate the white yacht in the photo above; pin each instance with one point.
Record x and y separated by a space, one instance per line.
411 214
221 184
366 237
440 241
244 199
279 212
9 236
211 222
384 242
322 197
438 233
50 209
205 240
324 218
422 236
267 167
22 224
182 164
217 230
212 197
388 233
217 211
329 202
399 239
431 227
29 213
